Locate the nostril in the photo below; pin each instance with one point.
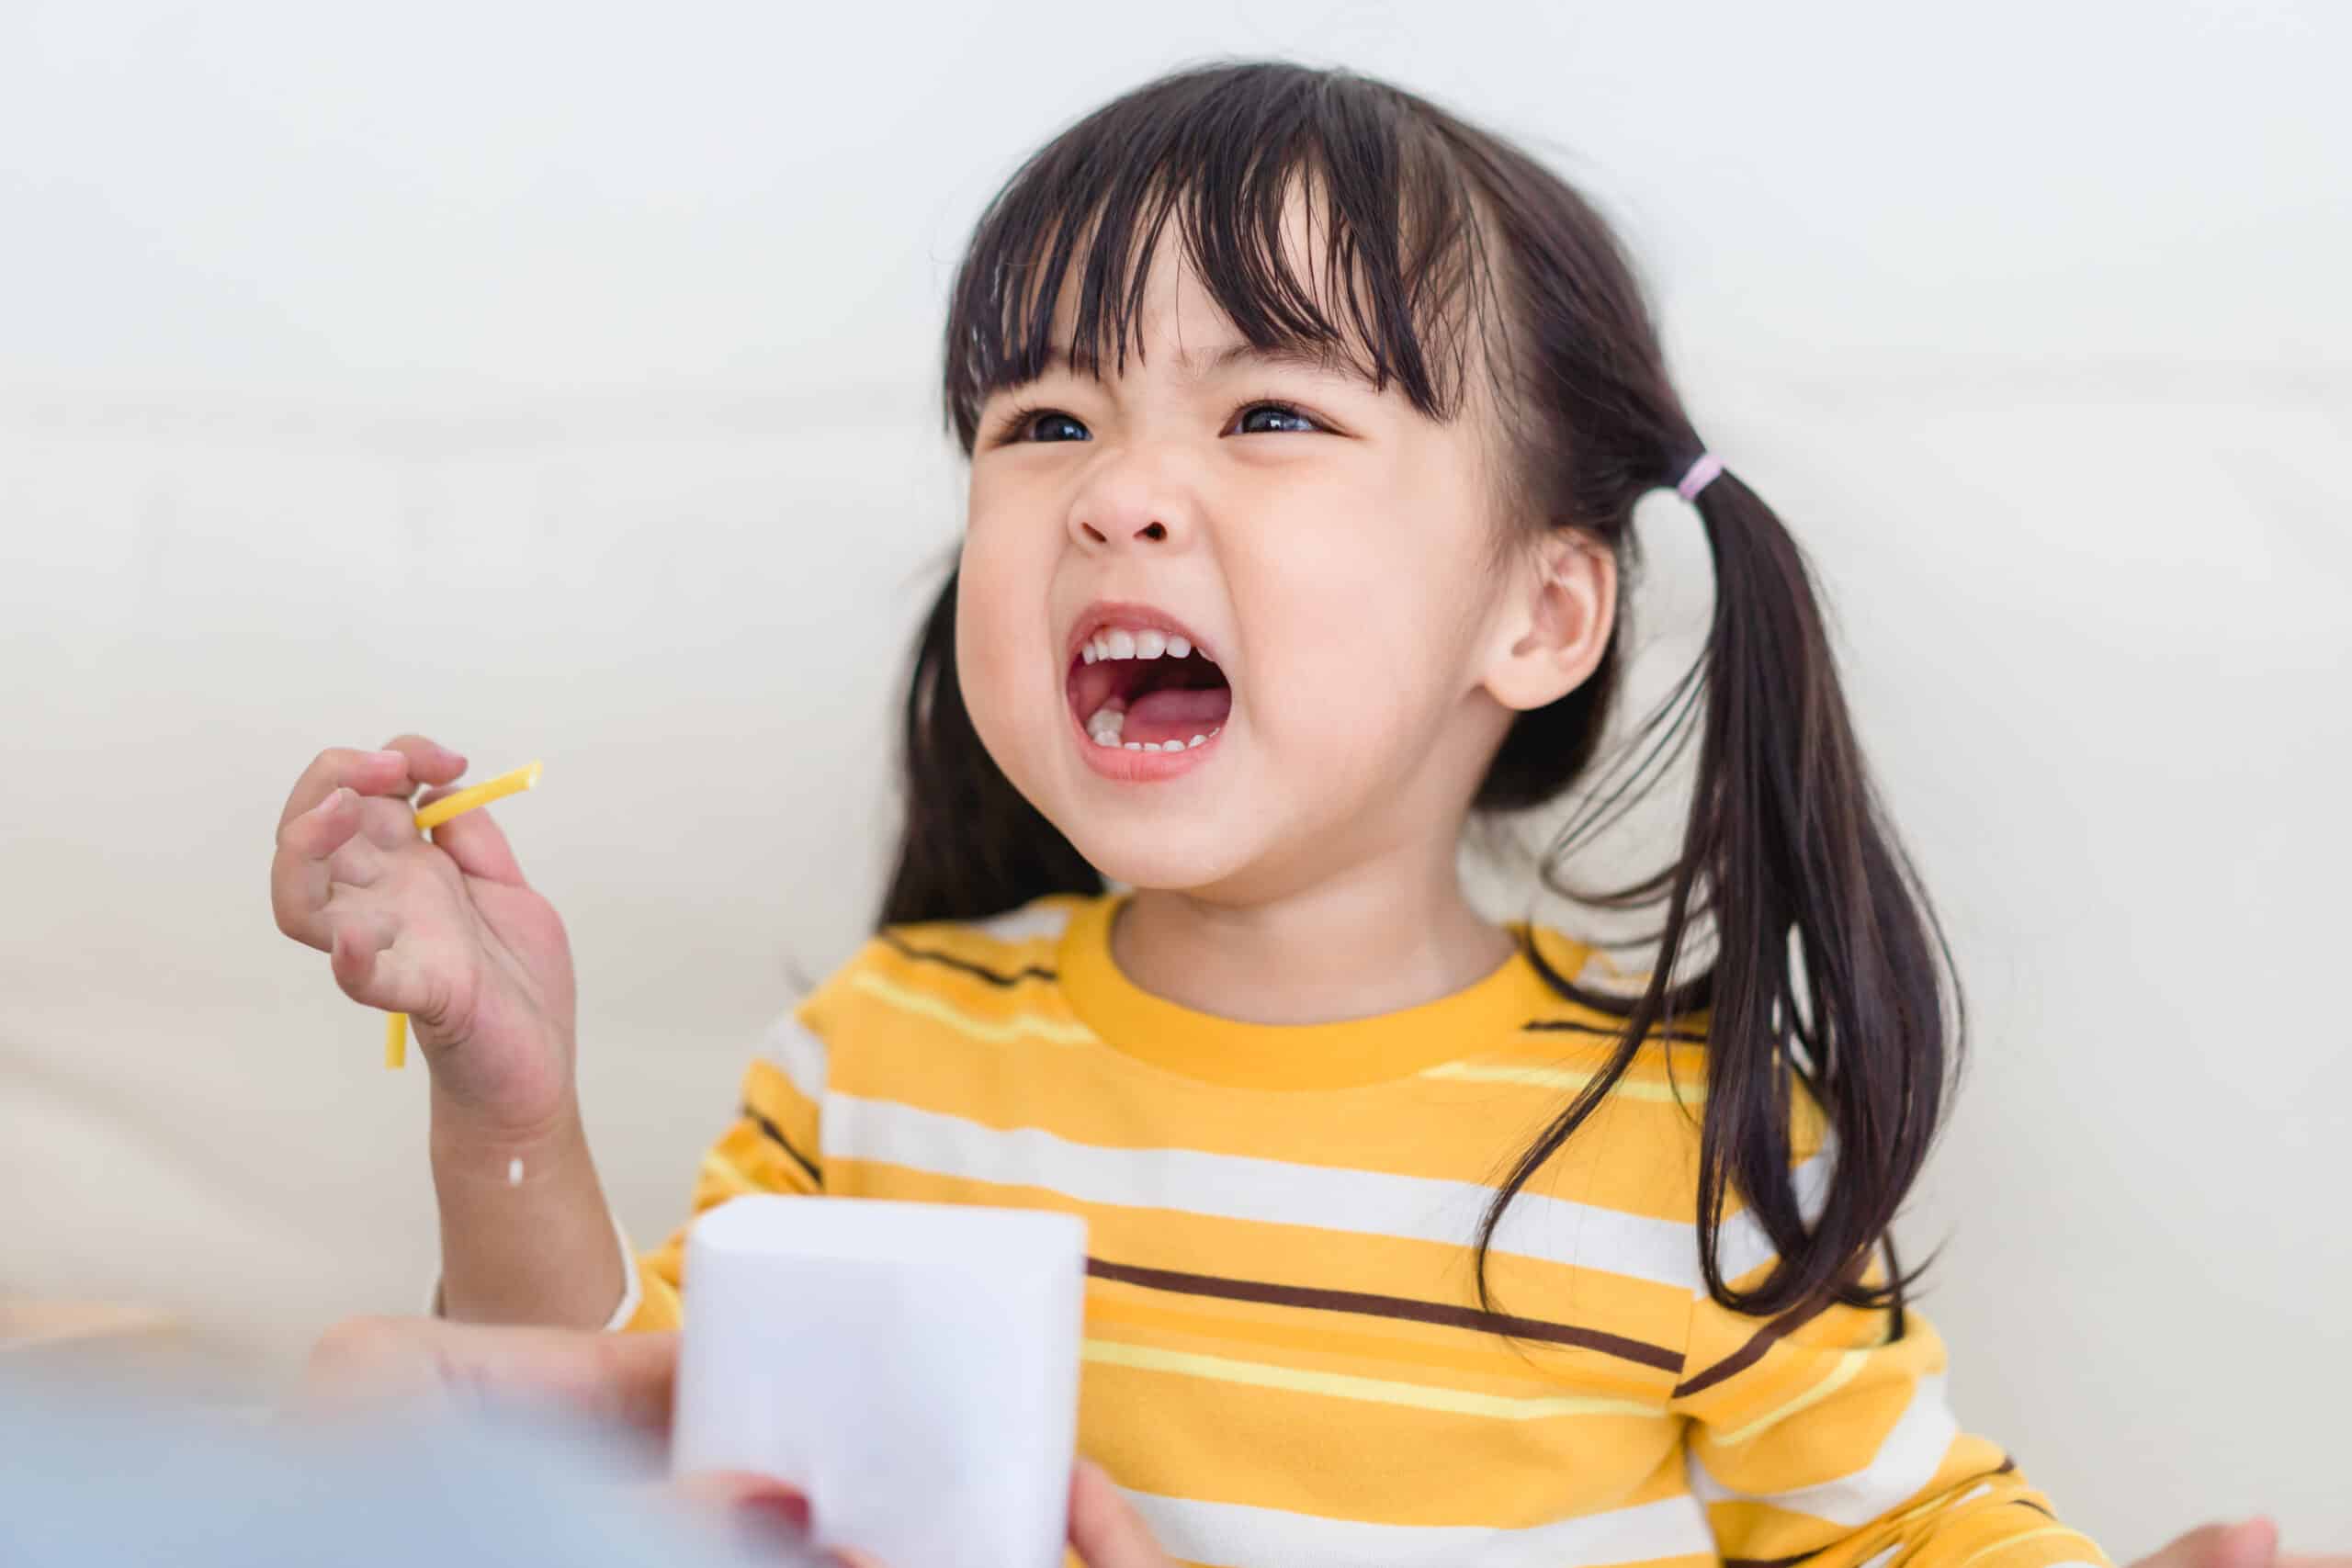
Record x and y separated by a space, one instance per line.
1156 531
1094 534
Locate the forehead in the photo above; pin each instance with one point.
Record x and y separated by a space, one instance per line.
1169 308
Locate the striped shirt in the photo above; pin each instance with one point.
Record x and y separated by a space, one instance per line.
1284 1363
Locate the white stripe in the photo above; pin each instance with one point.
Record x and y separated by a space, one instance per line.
1906 1461
1237 1535
1027 923
1239 1187
793 1046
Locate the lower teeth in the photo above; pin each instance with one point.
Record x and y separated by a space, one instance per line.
1105 729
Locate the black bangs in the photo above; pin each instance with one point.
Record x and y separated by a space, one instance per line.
1387 273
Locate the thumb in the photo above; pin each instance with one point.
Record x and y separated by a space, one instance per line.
475 842
1104 1528
2254 1544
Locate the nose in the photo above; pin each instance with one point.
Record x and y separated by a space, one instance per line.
1129 503
1088 533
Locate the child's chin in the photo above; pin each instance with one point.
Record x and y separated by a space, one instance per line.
1168 856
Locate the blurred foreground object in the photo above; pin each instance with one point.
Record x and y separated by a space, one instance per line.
95 1474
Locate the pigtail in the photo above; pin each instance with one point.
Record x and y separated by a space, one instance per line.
972 846
1829 969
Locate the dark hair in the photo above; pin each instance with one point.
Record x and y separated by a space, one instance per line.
1446 252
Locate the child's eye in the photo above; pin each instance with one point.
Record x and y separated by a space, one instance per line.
1044 425
1271 419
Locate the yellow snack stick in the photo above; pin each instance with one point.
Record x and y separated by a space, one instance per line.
465 800
432 817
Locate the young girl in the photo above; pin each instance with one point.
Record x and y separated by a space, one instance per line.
1305 424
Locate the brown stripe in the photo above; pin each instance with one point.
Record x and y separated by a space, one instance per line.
978 971
1386 1307
2030 1503
1571 1026
2008 1464
776 1135
1789 1321
1746 1356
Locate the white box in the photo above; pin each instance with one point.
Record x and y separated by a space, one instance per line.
912 1367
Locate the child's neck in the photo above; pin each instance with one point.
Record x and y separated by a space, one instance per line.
1355 947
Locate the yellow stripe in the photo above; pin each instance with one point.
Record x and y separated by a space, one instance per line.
1340 1386
1849 1366
2007 1542
658 1308
730 1174
1568 1078
1020 1026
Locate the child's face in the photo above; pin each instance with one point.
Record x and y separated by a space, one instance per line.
1336 554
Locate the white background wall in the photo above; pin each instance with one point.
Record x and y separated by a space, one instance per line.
559 383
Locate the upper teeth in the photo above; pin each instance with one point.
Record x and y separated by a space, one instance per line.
1117 642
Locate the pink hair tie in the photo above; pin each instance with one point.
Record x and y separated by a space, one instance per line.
1705 468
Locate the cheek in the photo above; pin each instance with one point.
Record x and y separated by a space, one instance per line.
1361 614
998 613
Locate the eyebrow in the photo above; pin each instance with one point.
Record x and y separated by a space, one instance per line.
1323 358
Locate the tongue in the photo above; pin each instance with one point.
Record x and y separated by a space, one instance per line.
1177 713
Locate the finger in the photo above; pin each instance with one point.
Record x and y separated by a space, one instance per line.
429 761
368 772
1104 1528
475 842
767 1510
390 821
356 941
367 1360
360 952
727 1488
626 1379
2254 1544
315 850
634 1378
2250 1544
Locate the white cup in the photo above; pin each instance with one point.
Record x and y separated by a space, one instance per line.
911 1367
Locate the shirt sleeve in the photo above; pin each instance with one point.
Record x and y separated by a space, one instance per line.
1829 1438
771 1147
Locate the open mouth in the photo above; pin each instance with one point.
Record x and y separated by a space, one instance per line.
1144 688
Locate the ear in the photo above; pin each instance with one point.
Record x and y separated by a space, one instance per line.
1555 620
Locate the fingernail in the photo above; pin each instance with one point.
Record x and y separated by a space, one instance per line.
766 1520
782 1509
388 757
332 804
